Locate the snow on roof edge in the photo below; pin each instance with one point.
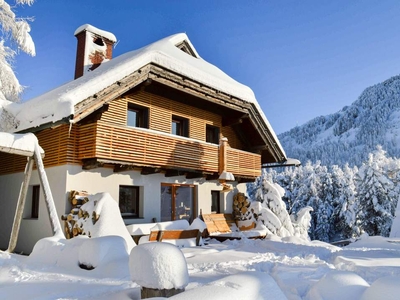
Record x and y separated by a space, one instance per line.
22 144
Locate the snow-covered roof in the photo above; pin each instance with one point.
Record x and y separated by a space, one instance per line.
59 103
22 144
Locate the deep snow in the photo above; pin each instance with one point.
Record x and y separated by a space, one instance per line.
273 268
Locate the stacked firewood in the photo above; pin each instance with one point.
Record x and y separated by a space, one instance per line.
241 207
242 212
72 224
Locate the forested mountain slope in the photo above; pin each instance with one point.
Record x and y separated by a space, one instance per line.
349 135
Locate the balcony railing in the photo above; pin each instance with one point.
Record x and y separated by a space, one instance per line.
151 148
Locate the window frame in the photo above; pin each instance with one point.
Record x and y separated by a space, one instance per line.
173 192
216 195
183 129
35 200
214 132
136 204
142 115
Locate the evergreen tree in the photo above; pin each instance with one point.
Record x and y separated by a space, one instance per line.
345 211
375 195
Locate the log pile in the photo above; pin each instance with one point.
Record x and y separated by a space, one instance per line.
241 207
242 212
72 221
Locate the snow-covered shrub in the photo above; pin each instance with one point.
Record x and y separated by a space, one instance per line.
269 209
108 220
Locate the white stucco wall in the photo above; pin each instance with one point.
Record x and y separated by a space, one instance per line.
31 230
105 180
63 179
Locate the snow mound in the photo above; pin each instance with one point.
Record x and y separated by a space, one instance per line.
158 266
247 285
56 252
96 251
387 288
171 225
81 250
338 285
110 222
198 224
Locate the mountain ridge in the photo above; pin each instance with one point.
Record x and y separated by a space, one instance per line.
350 134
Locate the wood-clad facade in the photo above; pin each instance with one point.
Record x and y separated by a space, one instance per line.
108 140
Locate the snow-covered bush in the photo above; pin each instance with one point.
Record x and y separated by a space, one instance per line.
269 209
107 220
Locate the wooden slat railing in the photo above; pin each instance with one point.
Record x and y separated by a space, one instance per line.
133 145
243 163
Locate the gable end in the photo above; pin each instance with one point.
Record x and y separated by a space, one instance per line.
185 47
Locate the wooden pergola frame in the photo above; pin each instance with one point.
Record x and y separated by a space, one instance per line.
33 157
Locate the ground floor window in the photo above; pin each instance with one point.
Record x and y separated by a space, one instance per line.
177 202
35 201
215 202
129 201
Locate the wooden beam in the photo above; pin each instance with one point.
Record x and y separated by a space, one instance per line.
150 170
172 173
91 163
213 176
20 205
192 175
229 121
122 168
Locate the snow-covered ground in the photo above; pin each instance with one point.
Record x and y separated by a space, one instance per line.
273 268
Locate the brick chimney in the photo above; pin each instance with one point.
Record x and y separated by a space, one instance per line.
94 47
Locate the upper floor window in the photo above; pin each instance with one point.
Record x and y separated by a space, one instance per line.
212 134
138 116
180 126
129 201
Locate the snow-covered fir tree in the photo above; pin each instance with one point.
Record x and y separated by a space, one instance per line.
377 194
270 211
346 201
345 207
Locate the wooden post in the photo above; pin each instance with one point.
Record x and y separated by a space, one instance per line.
20 206
51 208
222 155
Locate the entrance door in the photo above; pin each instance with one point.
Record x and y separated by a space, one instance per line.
177 202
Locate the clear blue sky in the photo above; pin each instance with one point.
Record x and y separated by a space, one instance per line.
302 59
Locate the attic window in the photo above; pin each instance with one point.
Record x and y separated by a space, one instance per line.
98 41
185 47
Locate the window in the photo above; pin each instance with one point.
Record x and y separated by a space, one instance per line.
138 116
177 202
35 201
129 201
180 126
212 134
215 204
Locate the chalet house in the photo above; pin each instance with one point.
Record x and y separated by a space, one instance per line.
166 133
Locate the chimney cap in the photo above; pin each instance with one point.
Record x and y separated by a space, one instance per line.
92 29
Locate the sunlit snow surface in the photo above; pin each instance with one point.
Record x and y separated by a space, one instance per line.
244 269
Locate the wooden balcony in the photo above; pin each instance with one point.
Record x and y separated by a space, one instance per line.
143 147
